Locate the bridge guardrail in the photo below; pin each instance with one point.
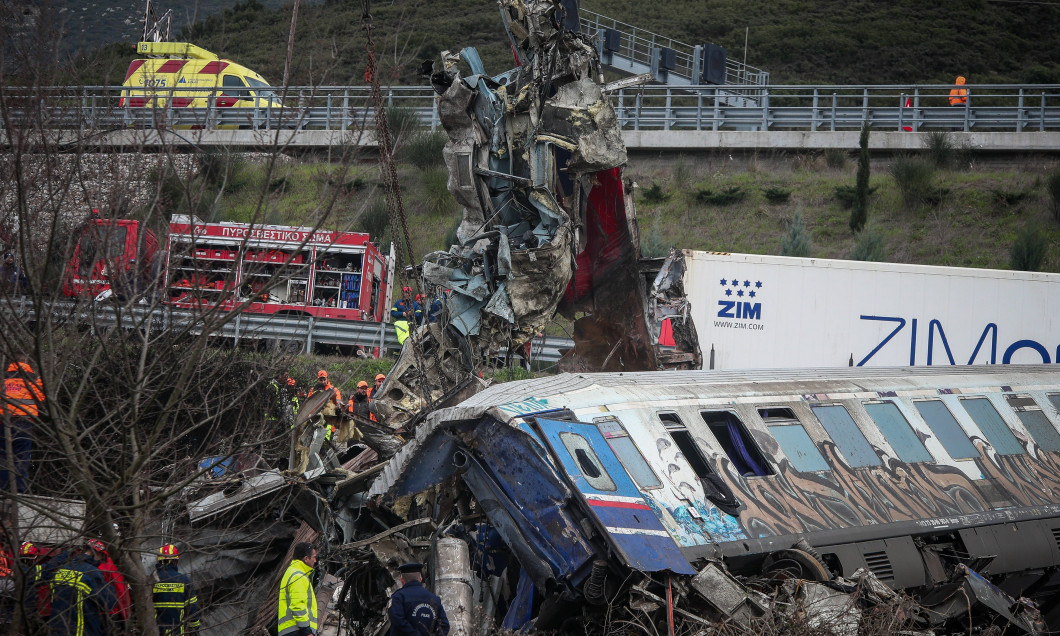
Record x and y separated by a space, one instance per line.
1005 108
302 332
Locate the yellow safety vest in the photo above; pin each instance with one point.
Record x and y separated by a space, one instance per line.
401 329
298 601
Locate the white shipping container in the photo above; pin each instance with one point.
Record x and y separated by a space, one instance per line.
778 312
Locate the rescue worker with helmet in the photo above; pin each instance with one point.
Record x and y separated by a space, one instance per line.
176 606
284 394
298 600
405 312
81 599
406 308
123 606
323 384
35 595
414 610
23 395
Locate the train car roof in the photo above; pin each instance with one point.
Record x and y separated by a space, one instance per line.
706 384
511 400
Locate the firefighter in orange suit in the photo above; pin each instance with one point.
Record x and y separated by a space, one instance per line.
23 395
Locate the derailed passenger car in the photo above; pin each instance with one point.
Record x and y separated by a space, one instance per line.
626 487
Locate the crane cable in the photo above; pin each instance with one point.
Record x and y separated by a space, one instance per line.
395 208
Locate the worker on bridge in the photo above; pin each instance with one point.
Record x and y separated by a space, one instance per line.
959 94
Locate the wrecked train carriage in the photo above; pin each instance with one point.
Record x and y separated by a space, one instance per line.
920 476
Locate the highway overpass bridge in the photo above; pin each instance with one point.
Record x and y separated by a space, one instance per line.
653 117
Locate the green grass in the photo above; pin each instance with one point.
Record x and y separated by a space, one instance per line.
968 228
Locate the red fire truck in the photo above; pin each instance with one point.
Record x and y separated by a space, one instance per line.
283 270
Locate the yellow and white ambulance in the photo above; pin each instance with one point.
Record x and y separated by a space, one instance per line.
182 75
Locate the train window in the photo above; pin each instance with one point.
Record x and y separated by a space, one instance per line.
584 456
628 454
1037 424
1055 399
846 435
737 443
691 452
946 429
897 432
990 423
800 449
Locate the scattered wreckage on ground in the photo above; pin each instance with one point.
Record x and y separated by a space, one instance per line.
852 500
619 501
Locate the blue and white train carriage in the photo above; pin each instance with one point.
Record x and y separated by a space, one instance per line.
909 473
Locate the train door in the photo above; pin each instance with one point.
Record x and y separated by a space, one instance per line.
612 497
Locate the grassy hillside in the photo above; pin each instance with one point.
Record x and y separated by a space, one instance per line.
827 41
966 215
969 216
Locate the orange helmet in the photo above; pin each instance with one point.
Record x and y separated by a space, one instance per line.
28 549
168 551
322 374
379 377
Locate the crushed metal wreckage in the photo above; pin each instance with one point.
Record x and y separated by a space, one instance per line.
529 519
534 158
523 514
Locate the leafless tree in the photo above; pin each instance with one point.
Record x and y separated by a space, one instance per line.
140 408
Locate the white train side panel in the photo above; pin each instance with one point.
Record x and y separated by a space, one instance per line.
778 312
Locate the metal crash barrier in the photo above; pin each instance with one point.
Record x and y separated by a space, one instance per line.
292 332
990 108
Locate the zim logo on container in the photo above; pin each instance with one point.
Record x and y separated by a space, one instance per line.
741 299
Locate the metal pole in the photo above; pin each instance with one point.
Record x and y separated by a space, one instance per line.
1041 122
765 110
746 34
967 111
835 97
290 45
1019 113
669 109
636 121
814 119
309 337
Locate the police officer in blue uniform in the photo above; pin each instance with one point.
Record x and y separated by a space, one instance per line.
414 611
